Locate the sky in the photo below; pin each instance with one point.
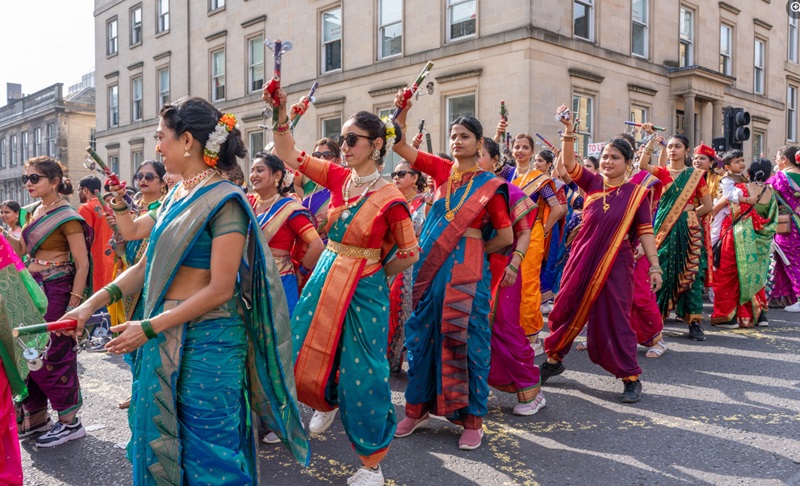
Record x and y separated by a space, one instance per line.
43 42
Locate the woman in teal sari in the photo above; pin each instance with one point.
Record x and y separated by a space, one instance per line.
448 335
215 335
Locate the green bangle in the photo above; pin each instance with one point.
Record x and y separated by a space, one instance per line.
513 268
114 292
148 329
122 209
521 255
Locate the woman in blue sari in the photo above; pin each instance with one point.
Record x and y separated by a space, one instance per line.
215 335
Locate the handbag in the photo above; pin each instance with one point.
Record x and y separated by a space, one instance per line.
784 221
716 250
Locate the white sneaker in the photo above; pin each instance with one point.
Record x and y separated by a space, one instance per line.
532 407
546 309
271 438
366 477
321 421
538 347
793 308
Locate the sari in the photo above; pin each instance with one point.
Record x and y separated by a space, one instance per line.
681 245
22 302
740 280
400 295
317 204
341 321
553 262
646 319
512 368
448 334
598 278
57 381
785 281
275 219
200 383
531 319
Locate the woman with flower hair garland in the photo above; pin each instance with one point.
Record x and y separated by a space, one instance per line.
216 326
341 321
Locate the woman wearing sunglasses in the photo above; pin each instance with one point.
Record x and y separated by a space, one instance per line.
412 184
57 242
448 334
341 321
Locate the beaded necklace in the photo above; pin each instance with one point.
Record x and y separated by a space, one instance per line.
348 206
456 176
196 179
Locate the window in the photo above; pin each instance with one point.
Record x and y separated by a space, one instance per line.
583 19
113 106
111 30
24 147
37 142
255 70
793 36
332 40
3 151
13 151
162 16
113 163
256 142
136 25
215 4
51 139
725 49
461 105
686 51
136 99
639 18
390 28
461 19
758 67
332 127
391 159
93 138
758 144
218 75
791 113
137 157
638 115
583 108
163 87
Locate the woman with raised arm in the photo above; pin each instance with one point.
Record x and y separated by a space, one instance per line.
448 335
341 321
512 368
56 242
679 235
786 274
598 278
216 328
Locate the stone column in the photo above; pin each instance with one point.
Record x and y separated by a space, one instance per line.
688 118
717 128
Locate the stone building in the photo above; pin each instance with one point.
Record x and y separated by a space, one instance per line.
45 123
676 63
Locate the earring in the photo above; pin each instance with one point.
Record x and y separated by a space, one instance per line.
376 154
186 152
277 183
480 153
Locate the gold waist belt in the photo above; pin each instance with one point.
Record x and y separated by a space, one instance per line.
369 254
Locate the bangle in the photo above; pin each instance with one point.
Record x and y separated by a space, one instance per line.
513 268
114 292
148 329
568 136
521 255
303 270
120 209
76 295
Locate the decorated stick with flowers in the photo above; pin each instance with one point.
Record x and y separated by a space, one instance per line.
639 125
65 325
227 122
280 48
549 145
409 92
97 164
300 109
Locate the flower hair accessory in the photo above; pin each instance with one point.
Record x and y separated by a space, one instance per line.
390 132
211 151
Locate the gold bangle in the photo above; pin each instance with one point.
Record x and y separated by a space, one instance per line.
76 295
568 137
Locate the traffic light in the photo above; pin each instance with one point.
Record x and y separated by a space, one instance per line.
736 129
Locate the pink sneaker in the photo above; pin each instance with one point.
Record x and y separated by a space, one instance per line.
408 425
532 407
470 439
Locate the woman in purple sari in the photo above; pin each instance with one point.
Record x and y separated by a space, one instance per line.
786 273
598 278
57 242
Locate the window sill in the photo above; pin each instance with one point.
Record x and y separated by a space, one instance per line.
133 46
462 38
216 11
162 33
109 56
332 71
388 58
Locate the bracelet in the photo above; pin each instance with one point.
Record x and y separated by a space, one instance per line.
113 291
303 270
76 295
655 270
521 255
120 209
148 329
282 128
513 268
568 136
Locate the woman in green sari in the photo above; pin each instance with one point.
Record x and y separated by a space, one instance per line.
215 335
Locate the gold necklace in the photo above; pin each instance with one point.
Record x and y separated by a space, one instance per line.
196 179
456 176
58 199
607 206
346 213
271 202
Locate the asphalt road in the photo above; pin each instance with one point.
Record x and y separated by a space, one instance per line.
725 411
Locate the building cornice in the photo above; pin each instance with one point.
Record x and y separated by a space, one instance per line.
642 89
472 73
254 21
760 119
216 35
761 23
329 102
587 75
385 91
162 55
136 65
113 74
730 8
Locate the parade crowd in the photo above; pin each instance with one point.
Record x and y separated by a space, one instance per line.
233 303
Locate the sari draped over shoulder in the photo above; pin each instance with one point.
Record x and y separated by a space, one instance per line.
680 240
199 382
448 335
784 285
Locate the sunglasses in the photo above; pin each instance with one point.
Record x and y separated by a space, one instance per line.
400 174
149 176
327 155
34 178
351 139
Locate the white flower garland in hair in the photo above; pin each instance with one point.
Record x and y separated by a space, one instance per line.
390 132
211 151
